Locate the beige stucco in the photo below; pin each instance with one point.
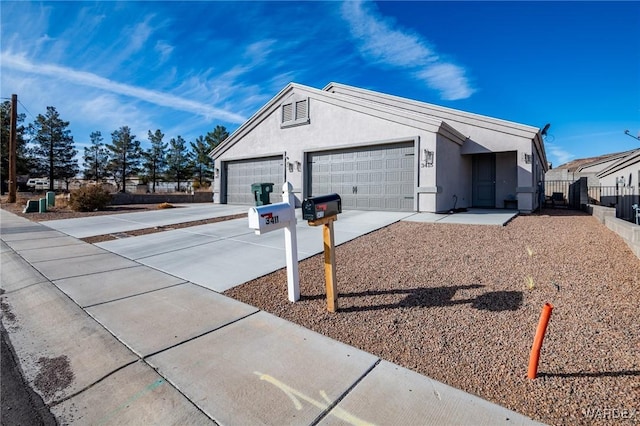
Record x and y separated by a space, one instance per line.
342 116
627 168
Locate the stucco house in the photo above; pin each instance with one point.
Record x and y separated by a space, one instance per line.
623 172
380 152
586 167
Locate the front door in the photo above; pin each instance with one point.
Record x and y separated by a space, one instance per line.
484 181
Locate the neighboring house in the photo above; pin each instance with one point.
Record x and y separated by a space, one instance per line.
624 175
624 172
585 167
380 152
611 181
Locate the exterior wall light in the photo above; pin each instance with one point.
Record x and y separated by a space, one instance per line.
290 166
527 158
298 166
427 158
217 172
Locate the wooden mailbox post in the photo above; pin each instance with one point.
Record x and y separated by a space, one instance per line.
323 211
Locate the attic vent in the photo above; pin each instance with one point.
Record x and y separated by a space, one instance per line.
295 113
287 112
301 110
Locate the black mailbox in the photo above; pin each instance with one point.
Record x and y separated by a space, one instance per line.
315 208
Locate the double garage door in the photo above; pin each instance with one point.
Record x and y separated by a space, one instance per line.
241 174
378 177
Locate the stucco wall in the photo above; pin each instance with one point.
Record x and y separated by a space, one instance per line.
330 127
339 121
630 173
453 176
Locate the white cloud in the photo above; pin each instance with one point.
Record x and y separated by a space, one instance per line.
164 49
209 112
448 79
557 154
383 44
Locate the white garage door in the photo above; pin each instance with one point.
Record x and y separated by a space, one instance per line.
242 173
366 178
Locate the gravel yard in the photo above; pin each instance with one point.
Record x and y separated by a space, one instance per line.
460 304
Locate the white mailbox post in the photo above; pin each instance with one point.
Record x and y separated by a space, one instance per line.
272 217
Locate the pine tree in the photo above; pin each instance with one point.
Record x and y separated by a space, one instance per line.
178 161
96 158
54 150
155 158
124 158
215 137
203 164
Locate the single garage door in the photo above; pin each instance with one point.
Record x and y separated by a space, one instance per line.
242 173
378 177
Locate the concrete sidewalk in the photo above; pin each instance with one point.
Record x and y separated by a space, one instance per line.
495 217
117 223
106 339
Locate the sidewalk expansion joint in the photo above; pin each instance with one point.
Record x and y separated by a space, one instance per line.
84 275
200 335
132 295
331 406
165 252
90 385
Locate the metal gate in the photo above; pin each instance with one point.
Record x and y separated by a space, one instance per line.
576 193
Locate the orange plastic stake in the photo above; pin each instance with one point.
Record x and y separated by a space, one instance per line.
537 342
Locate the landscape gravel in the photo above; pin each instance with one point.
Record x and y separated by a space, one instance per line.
461 303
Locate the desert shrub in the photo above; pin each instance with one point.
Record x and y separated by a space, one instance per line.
195 185
62 200
89 198
165 206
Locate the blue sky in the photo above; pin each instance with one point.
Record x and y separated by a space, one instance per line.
185 67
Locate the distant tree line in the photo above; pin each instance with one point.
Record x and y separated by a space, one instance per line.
46 148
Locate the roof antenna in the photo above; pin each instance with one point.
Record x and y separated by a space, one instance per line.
545 129
626 132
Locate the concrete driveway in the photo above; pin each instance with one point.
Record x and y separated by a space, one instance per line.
220 255
111 224
225 254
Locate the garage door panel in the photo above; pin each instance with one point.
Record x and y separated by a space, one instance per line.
241 174
349 203
376 190
368 178
363 165
393 163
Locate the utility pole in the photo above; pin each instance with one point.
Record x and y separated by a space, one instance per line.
12 149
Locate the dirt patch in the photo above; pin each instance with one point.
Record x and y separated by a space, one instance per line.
6 311
54 375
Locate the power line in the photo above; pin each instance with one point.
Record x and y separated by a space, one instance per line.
25 108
